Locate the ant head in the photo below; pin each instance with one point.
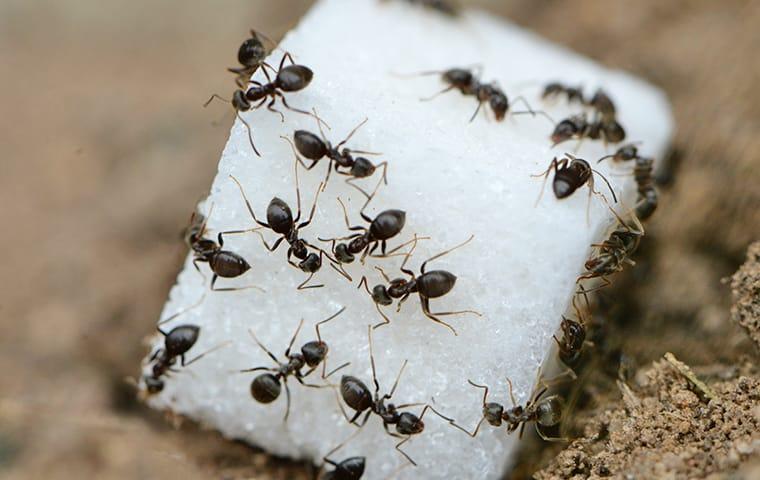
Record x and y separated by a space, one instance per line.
181 339
380 295
240 101
343 253
355 393
279 216
251 52
314 352
493 412
265 388
310 145
153 384
294 77
311 263
613 131
409 424
362 167
499 104
549 411
204 247
388 224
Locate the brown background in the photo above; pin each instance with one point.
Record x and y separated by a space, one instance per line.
105 149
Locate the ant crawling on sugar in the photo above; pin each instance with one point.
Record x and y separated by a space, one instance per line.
647 200
251 56
570 174
351 468
315 148
432 284
359 398
291 78
468 84
177 342
579 127
570 345
280 220
266 387
544 412
554 90
615 252
223 263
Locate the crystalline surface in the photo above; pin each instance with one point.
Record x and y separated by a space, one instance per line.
454 179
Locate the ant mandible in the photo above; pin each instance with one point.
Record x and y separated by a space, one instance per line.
360 399
266 387
432 284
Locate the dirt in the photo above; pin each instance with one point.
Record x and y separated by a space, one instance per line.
745 286
107 148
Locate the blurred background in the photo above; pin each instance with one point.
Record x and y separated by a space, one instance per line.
106 148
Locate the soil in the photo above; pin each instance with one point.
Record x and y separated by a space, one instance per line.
107 149
745 286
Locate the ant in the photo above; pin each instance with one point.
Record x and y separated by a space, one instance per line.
570 174
291 78
251 56
427 285
573 338
546 412
359 398
615 252
314 148
603 104
280 220
468 83
177 342
351 468
223 263
266 387
579 127
555 89
647 201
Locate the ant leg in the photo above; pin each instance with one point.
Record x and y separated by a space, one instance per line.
614 197
605 280
422 268
217 97
340 445
554 164
511 393
298 157
284 56
342 271
293 338
213 349
303 286
351 134
328 319
426 310
392 252
432 97
550 439
348 225
407 257
261 345
480 104
247 203
398 447
195 264
372 360
313 208
340 367
183 311
398 377
287 401
401 302
386 320
382 272
250 135
271 104
297 110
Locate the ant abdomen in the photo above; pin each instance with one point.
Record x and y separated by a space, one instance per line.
388 224
181 339
265 388
228 264
436 283
309 145
409 424
314 352
294 77
355 393
549 411
279 216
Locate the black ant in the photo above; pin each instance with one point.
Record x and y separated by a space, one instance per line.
280 220
603 104
360 399
314 148
579 127
647 201
351 468
251 56
266 387
468 84
573 338
427 285
223 263
570 174
615 252
546 412
177 342
292 78
555 89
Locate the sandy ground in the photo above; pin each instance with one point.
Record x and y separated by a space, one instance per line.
106 149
